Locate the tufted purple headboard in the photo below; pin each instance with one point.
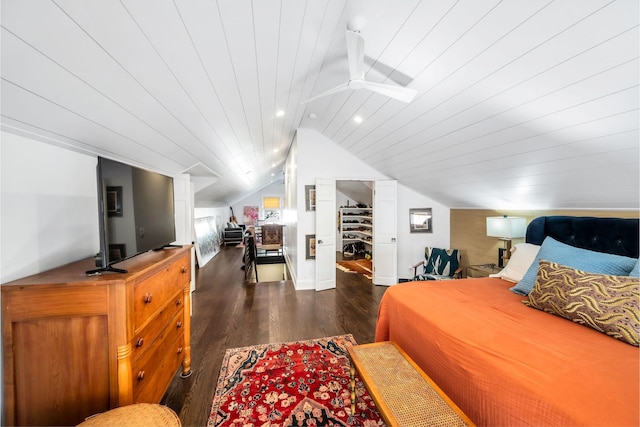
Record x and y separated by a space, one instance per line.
617 236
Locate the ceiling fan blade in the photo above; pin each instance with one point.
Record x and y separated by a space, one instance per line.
336 89
400 93
355 54
387 72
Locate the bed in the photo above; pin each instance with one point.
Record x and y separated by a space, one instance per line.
505 363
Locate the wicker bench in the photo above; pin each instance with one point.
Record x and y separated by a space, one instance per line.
404 395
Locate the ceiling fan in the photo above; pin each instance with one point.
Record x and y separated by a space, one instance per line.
355 55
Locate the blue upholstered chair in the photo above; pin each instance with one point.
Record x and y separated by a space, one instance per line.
438 264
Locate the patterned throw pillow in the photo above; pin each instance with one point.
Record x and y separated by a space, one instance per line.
608 304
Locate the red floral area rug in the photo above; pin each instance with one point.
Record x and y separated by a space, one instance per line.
303 383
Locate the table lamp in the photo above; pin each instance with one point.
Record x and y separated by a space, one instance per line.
506 228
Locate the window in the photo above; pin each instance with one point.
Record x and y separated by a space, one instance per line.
271 208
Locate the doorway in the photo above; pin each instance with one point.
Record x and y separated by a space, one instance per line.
383 232
354 206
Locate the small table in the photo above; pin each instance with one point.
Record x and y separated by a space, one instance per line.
404 395
483 270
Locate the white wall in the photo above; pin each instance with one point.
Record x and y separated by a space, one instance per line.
221 215
411 245
49 207
275 189
315 156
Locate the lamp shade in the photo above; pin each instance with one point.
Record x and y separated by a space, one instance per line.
506 227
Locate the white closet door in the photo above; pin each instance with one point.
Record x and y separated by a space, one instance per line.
385 228
325 234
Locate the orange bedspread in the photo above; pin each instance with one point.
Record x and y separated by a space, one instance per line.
504 363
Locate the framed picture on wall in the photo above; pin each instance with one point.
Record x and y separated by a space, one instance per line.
250 215
310 246
310 197
420 220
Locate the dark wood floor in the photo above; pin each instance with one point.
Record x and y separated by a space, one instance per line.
229 313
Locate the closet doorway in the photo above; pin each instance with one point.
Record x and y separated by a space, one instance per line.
383 234
354 231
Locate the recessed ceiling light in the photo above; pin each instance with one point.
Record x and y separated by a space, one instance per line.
273 165
279 113
313 116
275 150
357 119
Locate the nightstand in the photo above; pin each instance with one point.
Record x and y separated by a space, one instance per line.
483 270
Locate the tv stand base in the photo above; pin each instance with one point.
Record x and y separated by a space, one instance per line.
167 247
98 271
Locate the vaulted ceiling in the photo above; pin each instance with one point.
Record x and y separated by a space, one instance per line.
520 104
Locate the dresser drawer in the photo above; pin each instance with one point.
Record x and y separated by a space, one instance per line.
143 339
157 365
154 292
151 389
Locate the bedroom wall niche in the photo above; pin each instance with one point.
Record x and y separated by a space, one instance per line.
469 232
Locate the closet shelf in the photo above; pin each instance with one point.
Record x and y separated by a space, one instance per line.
356 225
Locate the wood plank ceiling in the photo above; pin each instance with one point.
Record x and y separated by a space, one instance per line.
521 104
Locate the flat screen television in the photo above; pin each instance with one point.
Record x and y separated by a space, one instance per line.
136 212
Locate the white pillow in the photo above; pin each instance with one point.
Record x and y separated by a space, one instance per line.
522 256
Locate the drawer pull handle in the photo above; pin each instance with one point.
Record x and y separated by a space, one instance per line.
140 342
140 375
184 270
148 298
178 301
179 350
179 324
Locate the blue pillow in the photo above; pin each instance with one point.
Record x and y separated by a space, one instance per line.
577 258
635 272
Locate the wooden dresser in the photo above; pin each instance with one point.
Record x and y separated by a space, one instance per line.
74 345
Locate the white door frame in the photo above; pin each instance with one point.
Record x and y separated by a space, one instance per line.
384 246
